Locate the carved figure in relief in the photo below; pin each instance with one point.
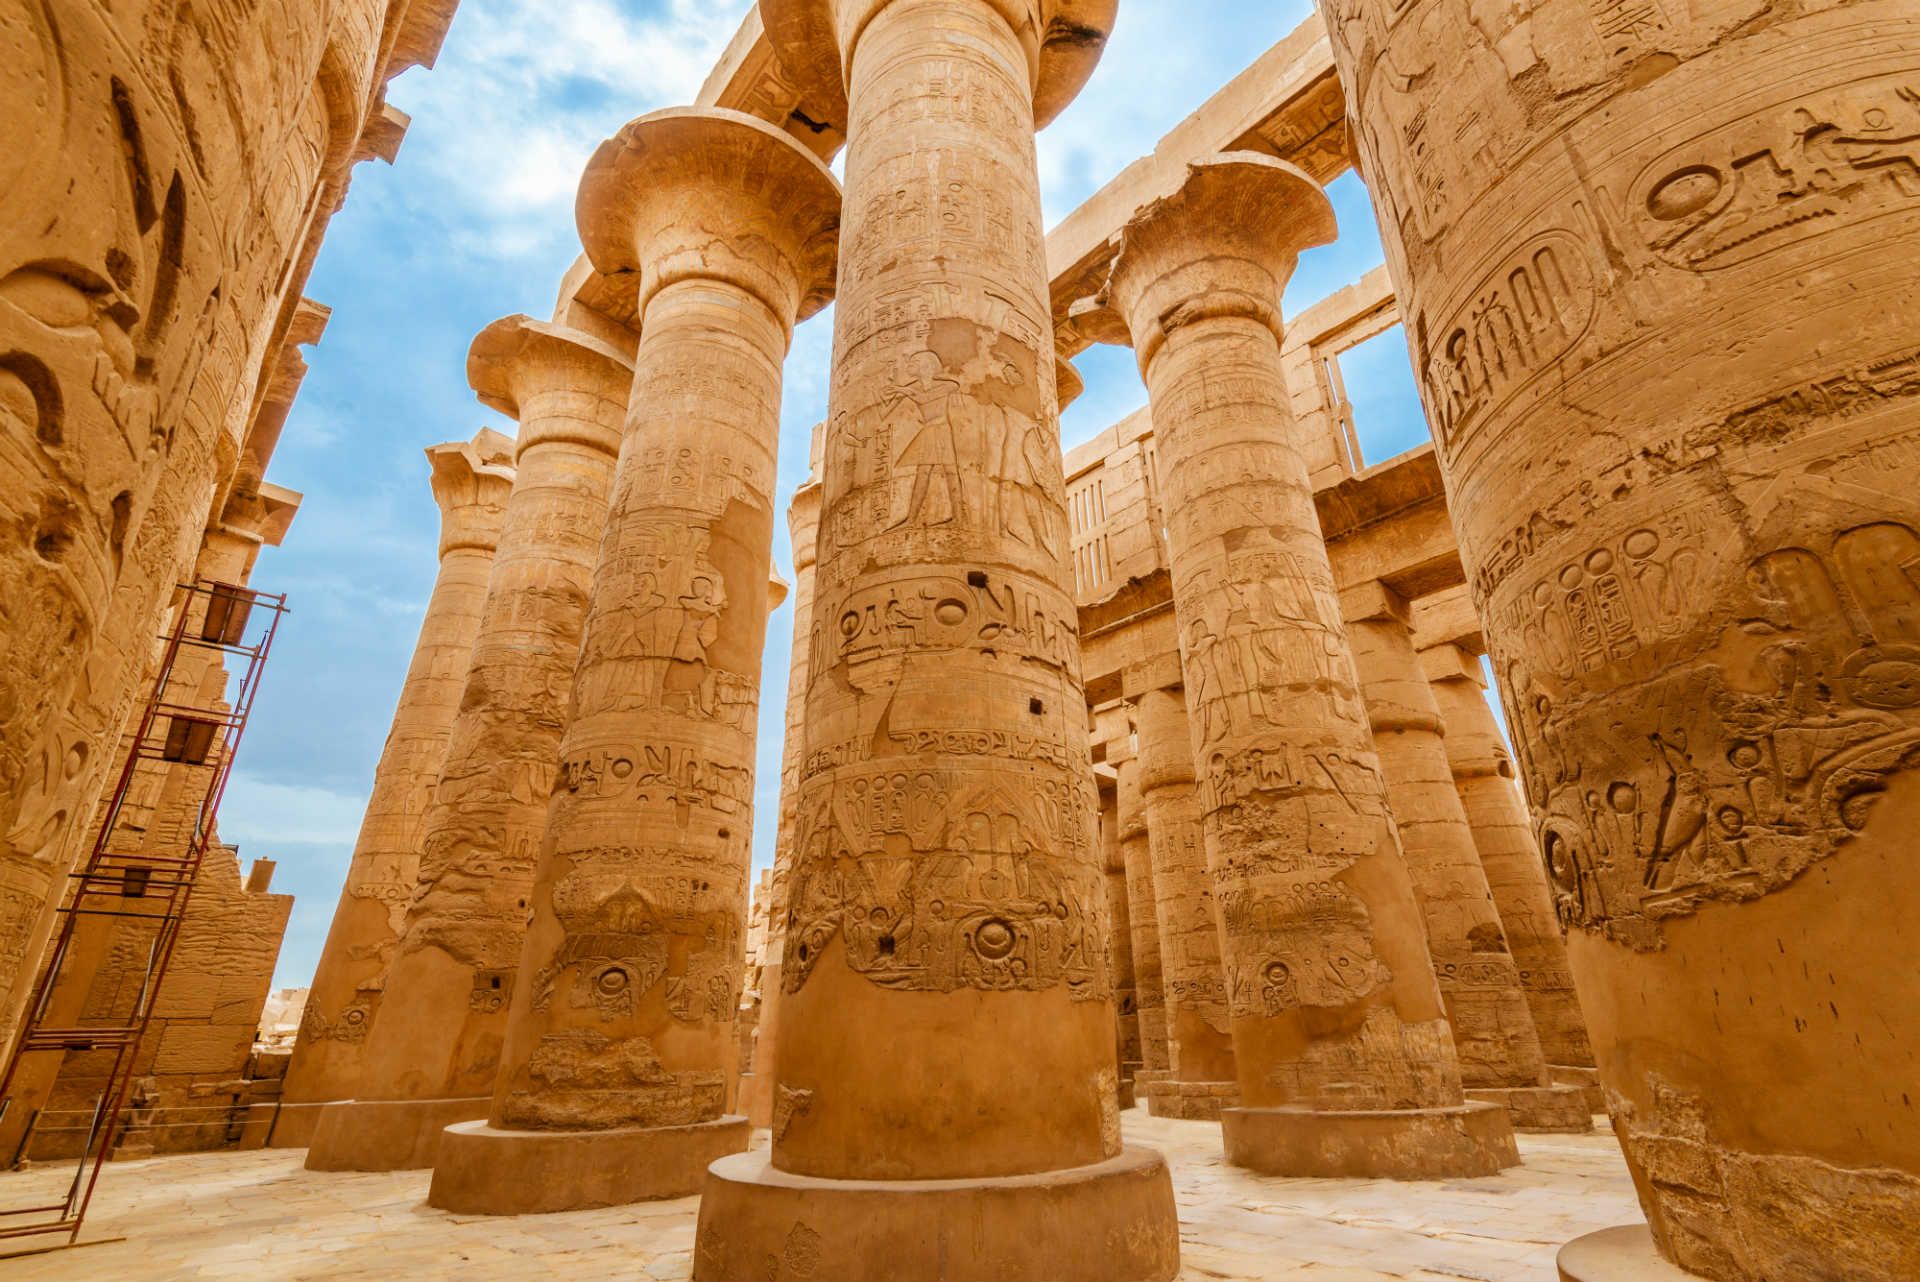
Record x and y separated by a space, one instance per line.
1802 755
924 407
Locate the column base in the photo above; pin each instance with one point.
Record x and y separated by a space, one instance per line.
1111 1222
1586 1078
1558 1109
1625 1254
386 1135
484 1170
1408 1144
1192 1101
294 1124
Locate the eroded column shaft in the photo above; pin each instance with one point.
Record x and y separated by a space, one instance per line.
1500 1056
630 978
1318 915
345 993
1484 777
1202 1074
947 880
1149 975
442 1019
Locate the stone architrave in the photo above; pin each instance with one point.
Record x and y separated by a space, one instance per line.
613 1084
1346 1062
1500 1056
1202 1078
1483 775
756 1088
471 483
1149 974
946 1095
1664 266
432 1054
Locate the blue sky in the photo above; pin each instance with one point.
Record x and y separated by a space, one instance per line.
475 222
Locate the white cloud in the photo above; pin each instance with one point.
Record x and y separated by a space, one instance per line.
524 92
259 815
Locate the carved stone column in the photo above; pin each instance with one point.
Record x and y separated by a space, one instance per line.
471 483
1201 1078
947 888
432 1053
803 524
1149 974
612 1086
1500 1056
1347 1066
1483 775
1126 1001
1665 266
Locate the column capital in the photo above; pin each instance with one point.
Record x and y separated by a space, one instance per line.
704 193
803 524
1223 244
471 481
815 40
518 357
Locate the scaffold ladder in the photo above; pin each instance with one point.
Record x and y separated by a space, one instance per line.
134 884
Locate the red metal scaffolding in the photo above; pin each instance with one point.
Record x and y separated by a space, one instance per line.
191 726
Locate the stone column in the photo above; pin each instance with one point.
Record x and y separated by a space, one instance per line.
612 1088
947 888
1663 263
471 482
1483 776
431 1056
1201 1078
1126 1002
803 524
1500 1056
1149 975
1346 1063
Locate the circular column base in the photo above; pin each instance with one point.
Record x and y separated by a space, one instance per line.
1407 1144
1558 1109
1111 1222
386 1135
1625 1254
487 1171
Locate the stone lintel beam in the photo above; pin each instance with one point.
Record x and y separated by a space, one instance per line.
598 303
1447 618
381 136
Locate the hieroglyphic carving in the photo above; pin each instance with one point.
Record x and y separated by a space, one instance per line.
1764 757
1811 165
995 894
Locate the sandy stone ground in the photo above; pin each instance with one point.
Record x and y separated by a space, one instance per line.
249 1217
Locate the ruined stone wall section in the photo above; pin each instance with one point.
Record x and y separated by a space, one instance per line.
168 169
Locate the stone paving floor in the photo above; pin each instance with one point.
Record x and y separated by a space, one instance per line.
259 1216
